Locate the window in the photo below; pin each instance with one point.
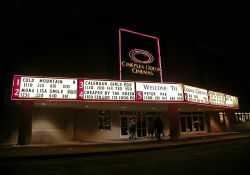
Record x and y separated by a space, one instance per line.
222 117
241 117
236 118
183 124
247 117
192 122
201 123
104 120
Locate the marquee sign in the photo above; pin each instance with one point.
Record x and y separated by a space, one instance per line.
217 98
159 92
77 89
44 88
139 57
193 94
106 90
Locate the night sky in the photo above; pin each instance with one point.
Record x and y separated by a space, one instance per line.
214 42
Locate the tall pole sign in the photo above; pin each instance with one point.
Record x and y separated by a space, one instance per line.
139 55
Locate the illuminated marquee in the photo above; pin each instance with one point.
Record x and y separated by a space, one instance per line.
73 89
159 92
139 56
46 88
217 98
106 90
193 94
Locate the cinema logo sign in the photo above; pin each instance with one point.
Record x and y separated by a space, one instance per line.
139 62
139 57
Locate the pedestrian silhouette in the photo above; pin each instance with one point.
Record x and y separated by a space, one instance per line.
151 127
159 127
132 128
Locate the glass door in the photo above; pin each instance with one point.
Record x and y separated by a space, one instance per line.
124 126
141 126
124 121
150 126
186 124
144 121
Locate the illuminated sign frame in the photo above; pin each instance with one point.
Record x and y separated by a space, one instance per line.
94 89
195 95
44 88
159 92
232 101
217 98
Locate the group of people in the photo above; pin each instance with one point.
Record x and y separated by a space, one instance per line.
155 128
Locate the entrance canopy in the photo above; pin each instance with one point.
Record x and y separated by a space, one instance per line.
149 107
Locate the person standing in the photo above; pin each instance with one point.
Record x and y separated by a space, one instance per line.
132 128
151 128
159 127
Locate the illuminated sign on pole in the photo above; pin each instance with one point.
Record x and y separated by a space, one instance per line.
193 94
159 92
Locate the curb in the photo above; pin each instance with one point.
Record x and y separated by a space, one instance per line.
121 151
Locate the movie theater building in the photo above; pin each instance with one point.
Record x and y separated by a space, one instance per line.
60 109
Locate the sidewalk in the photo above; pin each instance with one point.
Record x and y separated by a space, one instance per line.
74 149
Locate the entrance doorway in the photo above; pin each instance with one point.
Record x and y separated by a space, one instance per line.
141 129
124 121
143 122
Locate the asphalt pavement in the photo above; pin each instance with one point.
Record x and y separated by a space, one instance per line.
74 149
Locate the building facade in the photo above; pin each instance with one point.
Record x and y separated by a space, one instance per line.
49 109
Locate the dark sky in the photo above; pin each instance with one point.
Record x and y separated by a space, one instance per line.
216 37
